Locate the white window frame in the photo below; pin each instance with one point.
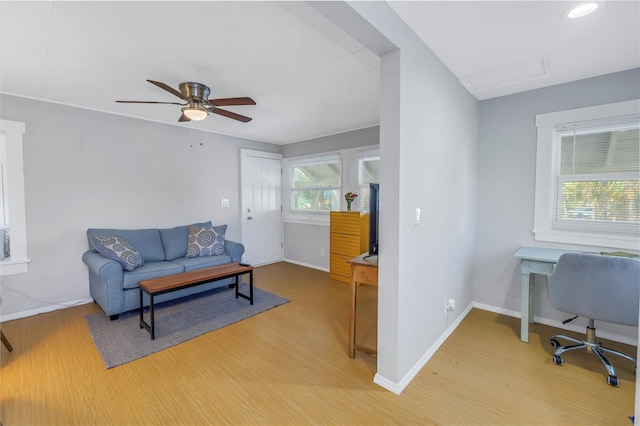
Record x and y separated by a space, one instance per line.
350 182
13 131
368 155
308 161
545 188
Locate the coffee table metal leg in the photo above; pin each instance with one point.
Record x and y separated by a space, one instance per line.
250 296
149 326
153 322
251 286
236 284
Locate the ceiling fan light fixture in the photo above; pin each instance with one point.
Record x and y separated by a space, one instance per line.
195 113
582 10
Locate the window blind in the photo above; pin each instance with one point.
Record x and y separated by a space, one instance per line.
598 175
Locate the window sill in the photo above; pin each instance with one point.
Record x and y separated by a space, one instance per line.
306 219
14 267
626 242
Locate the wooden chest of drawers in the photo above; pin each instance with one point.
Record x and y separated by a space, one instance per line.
349 238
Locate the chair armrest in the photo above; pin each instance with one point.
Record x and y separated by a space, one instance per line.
234 249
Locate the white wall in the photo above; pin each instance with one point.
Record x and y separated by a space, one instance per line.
428 143
506 177
89 169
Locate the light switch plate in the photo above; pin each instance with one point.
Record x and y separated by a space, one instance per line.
225 202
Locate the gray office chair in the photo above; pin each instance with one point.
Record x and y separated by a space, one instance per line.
597 287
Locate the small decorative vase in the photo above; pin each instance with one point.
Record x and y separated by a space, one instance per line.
348 205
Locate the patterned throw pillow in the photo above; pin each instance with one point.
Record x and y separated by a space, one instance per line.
118 249
206 240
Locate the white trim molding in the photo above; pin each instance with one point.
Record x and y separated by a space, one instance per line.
18 264
547 158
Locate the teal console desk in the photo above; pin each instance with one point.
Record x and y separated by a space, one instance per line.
533 260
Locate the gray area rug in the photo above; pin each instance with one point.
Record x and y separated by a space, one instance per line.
177 321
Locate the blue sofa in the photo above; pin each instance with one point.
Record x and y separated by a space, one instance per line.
159 252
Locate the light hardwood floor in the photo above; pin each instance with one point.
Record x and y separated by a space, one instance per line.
289 365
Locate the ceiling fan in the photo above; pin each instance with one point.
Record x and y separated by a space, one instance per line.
197 106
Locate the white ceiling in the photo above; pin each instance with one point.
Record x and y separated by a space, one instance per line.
497 48
308 77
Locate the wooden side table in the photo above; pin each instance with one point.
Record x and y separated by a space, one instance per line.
364 270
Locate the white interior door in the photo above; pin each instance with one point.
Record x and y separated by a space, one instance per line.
261 206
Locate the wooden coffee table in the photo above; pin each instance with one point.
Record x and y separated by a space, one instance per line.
161 285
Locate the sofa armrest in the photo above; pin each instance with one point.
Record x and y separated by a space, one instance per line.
234 249
105 268
106 279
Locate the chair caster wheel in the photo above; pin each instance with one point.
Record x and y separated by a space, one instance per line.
613 381
557 360
555 343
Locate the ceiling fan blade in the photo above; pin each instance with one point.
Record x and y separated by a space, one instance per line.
149 102
232 101
168 89
230 114
184 118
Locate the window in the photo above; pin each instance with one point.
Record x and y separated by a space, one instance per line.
317 183
316 186
588 176
369 173
12 211
5 251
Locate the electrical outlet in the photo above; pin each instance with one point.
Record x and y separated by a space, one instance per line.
449 305
224 202
321 252
417 217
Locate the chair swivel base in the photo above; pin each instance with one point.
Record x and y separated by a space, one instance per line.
591 346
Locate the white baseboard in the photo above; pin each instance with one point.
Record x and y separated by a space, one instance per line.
497 310
558 324
397 388
308 265
45 309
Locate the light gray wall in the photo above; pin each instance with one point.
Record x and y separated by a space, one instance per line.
435 172
506 177
302 242
428 154
354 139
89 169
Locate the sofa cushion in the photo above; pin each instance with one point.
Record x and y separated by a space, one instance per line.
118 249
175 241
193 263
150 270
206 240
146 241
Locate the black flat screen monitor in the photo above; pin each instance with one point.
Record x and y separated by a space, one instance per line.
374 217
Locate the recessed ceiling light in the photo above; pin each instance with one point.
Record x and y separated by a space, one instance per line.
582 10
